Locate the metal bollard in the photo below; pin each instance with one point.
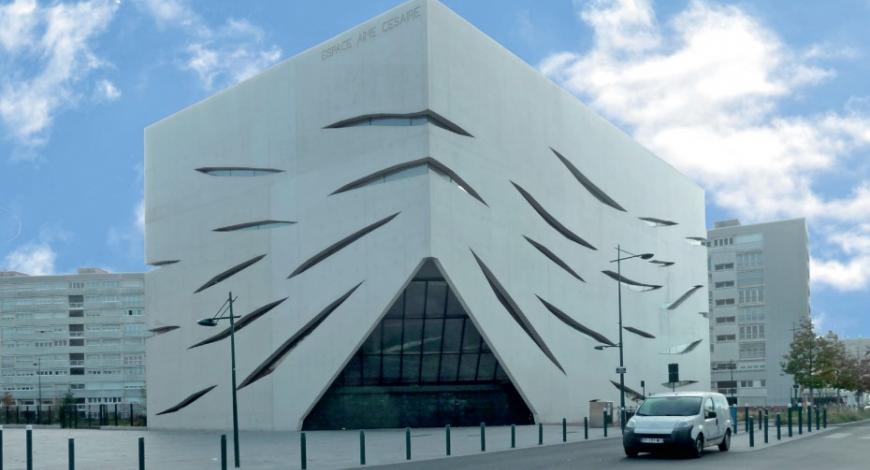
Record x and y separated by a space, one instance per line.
759 419
482 437
303 451
751 433
71 454
116 414
585 427
407 443
778 427
564 430
746 418
809 419
733 410
1 444
362 447
224 452
29 447
141 453
800 418
513 436
789 422
605 424
447 438
825 417
765 427
540 434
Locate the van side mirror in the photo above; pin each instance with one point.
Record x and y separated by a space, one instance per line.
710 415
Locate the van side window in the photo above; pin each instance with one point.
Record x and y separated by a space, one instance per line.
708 405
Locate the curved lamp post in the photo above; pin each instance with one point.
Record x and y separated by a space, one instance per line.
619 259
213 321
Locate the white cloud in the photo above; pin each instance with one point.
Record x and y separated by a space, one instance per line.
218 56
703 91
36 259
106 90
54 42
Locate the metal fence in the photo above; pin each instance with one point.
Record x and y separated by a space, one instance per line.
76 416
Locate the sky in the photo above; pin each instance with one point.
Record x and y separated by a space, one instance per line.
764 104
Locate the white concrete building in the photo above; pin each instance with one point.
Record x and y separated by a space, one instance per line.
759 291
418 227
78 333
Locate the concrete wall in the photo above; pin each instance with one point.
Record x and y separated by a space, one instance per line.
421 56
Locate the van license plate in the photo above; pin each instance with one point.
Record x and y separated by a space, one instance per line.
652 440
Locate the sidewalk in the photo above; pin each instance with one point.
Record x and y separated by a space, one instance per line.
117 449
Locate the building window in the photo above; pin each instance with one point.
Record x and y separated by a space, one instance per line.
723 266
728 319
724 284
749 259
752 350
725 338
750 295
721 302
751 332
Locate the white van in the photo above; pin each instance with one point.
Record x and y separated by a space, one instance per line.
687 421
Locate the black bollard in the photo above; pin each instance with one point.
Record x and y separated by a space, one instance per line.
29 450
362 447
513 436
746 418
778 427
447 439
564 430
765 427
751 433
71 453
1 447
825 417
585 427
407 443
224 452
482 437
789 422
809 419
141 453
303 451
540 434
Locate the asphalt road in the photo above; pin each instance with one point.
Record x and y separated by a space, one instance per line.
845 448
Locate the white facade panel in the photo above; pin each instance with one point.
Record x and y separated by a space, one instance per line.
421 57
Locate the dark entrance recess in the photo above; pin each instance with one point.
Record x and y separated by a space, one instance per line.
424 365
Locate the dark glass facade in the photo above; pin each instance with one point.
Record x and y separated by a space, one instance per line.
425 364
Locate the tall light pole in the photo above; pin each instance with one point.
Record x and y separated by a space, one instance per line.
213 321
619 259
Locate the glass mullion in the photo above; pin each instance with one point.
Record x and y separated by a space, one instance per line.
461 342
423 331
443 331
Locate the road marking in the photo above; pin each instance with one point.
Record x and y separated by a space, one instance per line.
837 435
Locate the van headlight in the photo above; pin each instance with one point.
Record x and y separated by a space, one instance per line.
683 425
630 424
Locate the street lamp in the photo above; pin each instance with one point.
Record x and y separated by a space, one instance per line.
619 259
213 321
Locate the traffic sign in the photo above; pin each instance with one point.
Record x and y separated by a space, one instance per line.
620 370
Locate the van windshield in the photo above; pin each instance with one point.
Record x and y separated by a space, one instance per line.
670 406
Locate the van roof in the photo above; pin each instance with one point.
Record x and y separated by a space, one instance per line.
685 394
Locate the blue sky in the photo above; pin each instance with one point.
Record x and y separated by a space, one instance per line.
765 104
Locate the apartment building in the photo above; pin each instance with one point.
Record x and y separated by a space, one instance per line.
80 333
759 293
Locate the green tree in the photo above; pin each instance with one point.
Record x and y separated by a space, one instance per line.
802 359
8 400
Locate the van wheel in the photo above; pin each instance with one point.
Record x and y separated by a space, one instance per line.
726 442
698 448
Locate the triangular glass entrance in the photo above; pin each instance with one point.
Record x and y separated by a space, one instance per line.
424 365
